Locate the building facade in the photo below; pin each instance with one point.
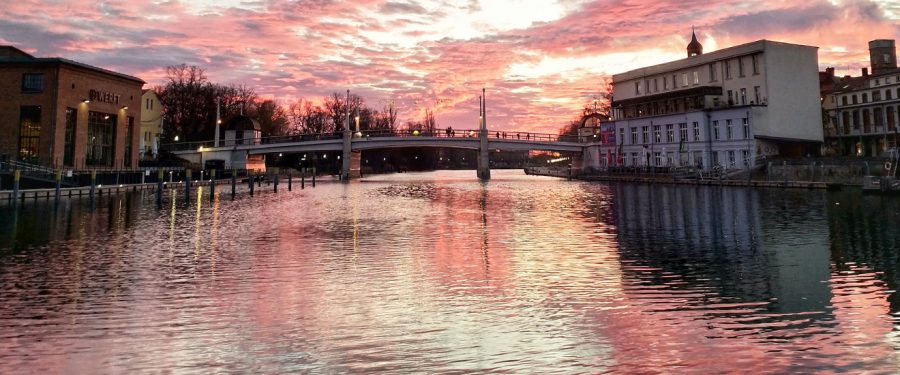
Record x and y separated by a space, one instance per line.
724 108
151 125
64 114
863 111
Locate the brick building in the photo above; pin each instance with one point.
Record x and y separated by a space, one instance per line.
61 113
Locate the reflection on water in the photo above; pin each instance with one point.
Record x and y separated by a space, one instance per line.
438 272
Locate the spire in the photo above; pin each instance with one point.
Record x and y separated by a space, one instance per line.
694 48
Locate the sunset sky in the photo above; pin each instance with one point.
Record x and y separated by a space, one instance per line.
540 60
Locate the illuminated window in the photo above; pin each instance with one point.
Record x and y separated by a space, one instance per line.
101 133
29 133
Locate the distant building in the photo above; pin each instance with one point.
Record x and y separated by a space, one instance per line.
61 113
862 113
726 107
151 124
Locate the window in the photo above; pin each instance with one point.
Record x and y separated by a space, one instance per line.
865 97
634 139
696 77
887 94
655 85
746 125
665 83
876 96
730 97
712 72
32 82
855 101
657 133
101 133
755 64
731 162
757 97
891 122
634 159
716 130
674 81
670 133
645 134
856 120
715 157
69 151
727 69
647 86
682 132
696 132
670 158
147 104
637 88
29 133
844 100
745 156
657 159
728 132
743 96
684 79
621 136
740 66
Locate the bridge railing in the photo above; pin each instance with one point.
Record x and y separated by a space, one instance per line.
436 133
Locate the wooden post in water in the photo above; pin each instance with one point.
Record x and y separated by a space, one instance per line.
302 179
290 181
93 182
258 180
233 182
212 185
17 175
159 187
250 180
187 184
275 178
58 183
314 177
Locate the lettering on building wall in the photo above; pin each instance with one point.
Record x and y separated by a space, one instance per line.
103 97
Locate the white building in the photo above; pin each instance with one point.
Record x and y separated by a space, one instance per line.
151 125
727 107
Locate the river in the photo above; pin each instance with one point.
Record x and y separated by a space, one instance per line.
439 273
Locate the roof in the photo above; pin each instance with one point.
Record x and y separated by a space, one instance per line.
241 123
14 55
730 52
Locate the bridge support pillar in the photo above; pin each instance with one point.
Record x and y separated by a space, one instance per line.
484 160
346 155
577 165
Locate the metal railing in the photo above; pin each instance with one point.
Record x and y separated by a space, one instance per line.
436 133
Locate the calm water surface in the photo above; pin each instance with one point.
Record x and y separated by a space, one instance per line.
437 272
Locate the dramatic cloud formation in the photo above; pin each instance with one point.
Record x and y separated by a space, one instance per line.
540 60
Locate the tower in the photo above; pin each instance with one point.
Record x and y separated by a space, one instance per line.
882 55
694 48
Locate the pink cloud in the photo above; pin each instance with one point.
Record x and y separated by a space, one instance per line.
427 54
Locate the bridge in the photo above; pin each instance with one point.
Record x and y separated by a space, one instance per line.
237 153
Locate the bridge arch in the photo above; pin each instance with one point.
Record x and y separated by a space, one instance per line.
599 116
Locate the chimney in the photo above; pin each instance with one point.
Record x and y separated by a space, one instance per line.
830 72
865 72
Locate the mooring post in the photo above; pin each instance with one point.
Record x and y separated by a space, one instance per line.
93 182
212 184
314 177
250 180
58 183
275 178
303 179
187 184
159 187
290 181
233 182
17 175
258 180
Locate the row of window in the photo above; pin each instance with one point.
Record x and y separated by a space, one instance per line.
100 136
876 97
729 132
728 158
693 78
887 81
867 118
